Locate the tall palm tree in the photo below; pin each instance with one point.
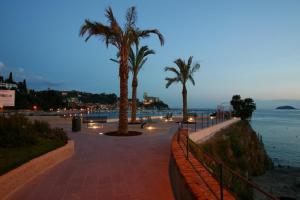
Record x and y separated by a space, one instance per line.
136 61
184 72
122 39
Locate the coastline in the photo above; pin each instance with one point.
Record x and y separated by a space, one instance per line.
283 181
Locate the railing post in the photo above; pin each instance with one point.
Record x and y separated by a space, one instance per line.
195 124
187 146
202 121
221 181
207 119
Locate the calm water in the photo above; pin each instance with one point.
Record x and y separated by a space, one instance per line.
115 114
280 130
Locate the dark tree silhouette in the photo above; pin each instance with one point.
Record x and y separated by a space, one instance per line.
136 61
243 108
10 78
183 73
122 39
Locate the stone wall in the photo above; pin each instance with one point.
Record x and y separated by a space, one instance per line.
189 178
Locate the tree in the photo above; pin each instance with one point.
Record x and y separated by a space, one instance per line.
236 103
10 78
122 39
136 61
243 108
184 72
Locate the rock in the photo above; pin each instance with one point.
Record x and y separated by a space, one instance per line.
285 108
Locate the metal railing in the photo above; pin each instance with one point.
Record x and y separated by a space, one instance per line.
204 120
240 186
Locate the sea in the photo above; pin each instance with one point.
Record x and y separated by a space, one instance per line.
280 130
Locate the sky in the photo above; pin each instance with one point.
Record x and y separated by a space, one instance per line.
251 48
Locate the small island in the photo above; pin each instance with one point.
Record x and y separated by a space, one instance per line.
285 108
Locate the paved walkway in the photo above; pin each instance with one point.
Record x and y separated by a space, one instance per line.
204 134
108 168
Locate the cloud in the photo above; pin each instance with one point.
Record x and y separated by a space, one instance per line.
38 81
34 81
2 66
20 70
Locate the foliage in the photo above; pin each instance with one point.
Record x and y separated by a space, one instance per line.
183 73
13 157
121 38
21 140
136 61
239 148
101 98
243 108
138 58
53 99
18 131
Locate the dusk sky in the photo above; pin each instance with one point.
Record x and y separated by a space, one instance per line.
251 48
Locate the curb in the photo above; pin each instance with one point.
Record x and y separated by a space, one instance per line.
15 179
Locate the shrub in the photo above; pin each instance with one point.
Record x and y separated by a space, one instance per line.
18 131
243 108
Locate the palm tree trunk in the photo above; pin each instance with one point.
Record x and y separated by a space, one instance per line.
184 102
134 99
123 103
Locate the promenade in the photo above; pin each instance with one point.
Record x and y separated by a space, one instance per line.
106 167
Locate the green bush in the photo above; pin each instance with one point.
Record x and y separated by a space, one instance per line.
18 131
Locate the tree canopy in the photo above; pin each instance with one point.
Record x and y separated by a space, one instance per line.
243 108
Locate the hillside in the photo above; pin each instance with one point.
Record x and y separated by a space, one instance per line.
241 148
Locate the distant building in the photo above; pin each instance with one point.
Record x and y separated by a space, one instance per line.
149 100
8 86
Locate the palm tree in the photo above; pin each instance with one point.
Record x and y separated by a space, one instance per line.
136 61
184 72
122 39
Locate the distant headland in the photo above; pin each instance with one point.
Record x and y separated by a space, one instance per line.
286 108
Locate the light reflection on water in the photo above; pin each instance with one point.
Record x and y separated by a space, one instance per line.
280 130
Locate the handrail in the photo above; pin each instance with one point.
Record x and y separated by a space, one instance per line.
193 167
207 160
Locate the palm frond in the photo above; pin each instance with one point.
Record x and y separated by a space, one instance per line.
113 22
143 52
182 68
98 29
149 52
146 33
192 79
170 81
131 60
142 63
190 60
114 60
173 69
131 17
195 68
184 71
180 64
